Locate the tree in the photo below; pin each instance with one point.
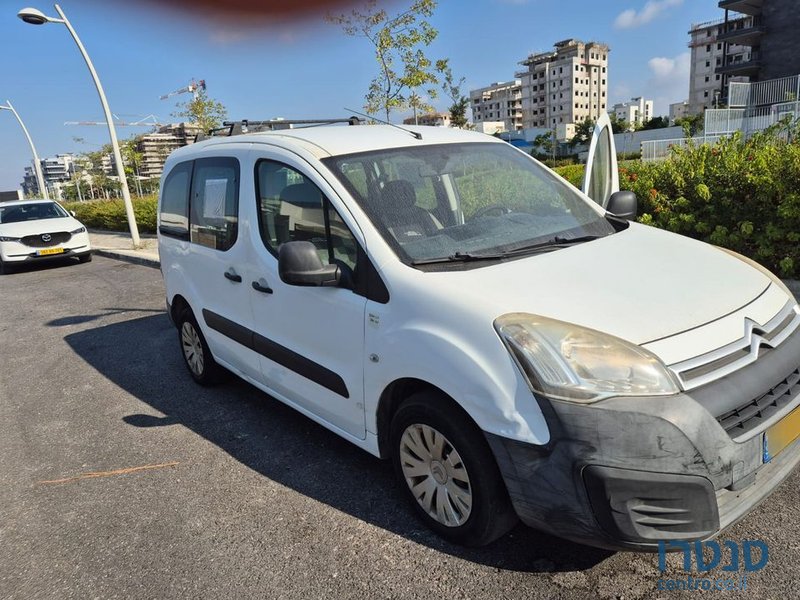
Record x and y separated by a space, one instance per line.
618 125
132 160
399 42
452 89
543 144
206 112
583 132
692 124
656 123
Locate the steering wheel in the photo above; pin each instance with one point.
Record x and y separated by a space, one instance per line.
482 212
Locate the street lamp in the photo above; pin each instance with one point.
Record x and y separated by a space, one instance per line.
36 164
37 17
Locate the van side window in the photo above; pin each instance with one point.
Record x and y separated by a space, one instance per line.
215 202
292 208
174 217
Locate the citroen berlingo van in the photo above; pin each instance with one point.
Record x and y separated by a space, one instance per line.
519 349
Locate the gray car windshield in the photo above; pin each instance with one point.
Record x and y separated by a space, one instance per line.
31 212
465 201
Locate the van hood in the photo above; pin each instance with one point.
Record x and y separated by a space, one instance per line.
24 228
641 284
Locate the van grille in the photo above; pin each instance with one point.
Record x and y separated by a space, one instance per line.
752 415
757 341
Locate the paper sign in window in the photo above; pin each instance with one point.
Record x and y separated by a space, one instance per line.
214 204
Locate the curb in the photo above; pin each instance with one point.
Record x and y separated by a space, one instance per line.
144 261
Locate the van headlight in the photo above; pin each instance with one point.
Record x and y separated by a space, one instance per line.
568 362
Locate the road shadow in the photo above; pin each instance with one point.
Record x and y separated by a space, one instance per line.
281 444
40 265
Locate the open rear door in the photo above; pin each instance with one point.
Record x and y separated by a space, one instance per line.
602 177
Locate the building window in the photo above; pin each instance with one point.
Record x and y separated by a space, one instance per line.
604 69
719 46
708 63
576 67
706 78
717 78
560 70
604 81
705 94
708 48
576 80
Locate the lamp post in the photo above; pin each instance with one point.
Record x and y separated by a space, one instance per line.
37 165
36 17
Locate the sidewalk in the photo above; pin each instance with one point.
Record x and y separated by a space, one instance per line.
119 246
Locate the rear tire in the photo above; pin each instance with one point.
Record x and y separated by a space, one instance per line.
447 471
195 352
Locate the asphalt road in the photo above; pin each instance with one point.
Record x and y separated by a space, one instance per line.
239 497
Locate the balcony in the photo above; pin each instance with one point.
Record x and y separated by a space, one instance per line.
743 34
747 7
741 65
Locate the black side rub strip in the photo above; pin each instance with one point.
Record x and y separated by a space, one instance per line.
274 351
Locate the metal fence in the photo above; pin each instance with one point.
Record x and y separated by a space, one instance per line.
660 149
764 93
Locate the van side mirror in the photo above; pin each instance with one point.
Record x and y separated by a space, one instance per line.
299 264
623 204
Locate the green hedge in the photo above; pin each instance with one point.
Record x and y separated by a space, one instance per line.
110 214
740 194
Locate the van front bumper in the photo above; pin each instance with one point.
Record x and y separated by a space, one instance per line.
625 473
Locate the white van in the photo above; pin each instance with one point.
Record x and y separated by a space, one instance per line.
519 349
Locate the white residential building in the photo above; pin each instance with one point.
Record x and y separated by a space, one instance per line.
567 85
438 119
678 110
500 101
636 112
709 53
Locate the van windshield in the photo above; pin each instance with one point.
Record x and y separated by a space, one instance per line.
471 200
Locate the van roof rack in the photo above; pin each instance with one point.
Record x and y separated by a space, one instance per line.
231 128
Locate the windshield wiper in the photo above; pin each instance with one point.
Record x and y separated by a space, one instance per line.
552 244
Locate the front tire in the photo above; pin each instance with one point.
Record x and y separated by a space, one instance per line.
448 473
196 354
85 258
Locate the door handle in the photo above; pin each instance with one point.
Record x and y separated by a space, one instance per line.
232 276
261 286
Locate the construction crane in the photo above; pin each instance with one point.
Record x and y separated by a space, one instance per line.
148 121
192 88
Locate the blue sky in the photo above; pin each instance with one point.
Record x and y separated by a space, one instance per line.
301 69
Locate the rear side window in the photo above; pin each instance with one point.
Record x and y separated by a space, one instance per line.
215 203
174 217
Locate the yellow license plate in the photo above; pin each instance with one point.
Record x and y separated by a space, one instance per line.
47 251
780 435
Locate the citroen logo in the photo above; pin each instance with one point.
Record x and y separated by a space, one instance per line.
753 333
46 237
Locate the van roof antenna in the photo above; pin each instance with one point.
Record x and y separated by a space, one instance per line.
416 134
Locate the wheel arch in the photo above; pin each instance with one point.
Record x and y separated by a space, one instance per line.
395 394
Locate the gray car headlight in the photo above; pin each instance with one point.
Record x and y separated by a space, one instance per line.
569 362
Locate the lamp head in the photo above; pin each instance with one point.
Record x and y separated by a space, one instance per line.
33 16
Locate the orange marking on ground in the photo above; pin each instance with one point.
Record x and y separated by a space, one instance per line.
110 473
